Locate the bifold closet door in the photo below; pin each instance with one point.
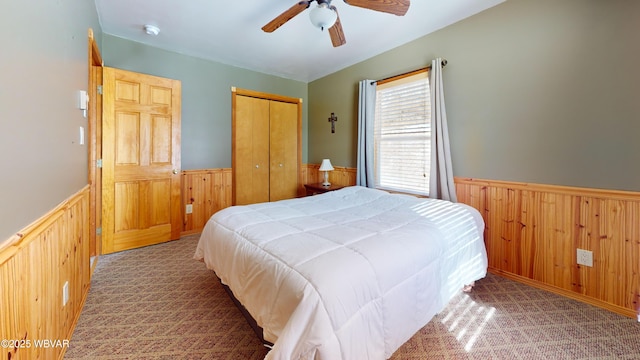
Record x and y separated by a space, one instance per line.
283 177
251 150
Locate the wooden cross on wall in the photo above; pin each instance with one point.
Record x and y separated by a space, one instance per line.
333 120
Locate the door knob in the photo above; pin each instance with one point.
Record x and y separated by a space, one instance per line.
175 171
257 166
280 165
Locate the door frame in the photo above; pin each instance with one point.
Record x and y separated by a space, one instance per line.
94 142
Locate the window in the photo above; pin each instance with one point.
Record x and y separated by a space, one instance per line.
402 135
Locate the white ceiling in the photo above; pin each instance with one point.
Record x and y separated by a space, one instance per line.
230 31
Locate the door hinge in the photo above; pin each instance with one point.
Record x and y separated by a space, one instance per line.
99 231
99 89
99 163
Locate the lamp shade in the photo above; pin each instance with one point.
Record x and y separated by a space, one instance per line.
322 16
326 165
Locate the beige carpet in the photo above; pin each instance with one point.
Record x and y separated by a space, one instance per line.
158 303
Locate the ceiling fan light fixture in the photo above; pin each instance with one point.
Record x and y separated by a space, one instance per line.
322 16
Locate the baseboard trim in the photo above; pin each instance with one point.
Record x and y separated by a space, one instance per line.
76 319
565 293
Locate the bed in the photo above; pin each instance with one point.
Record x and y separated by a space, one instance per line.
348 274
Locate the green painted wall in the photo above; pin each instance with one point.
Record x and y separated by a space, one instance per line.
206 96
540 91
43 65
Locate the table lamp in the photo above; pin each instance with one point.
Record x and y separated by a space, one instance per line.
326 167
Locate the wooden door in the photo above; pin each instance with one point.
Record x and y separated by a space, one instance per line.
141 160
251 150
283 175
266 146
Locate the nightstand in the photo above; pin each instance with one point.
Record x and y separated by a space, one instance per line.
318 188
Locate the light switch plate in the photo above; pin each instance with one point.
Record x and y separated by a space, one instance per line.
65 293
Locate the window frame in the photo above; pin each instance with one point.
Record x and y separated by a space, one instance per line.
395 82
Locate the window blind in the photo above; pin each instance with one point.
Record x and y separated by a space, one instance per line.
402 136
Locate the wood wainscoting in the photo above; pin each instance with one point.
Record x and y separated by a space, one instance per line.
34 266
209 190
532 232
340 175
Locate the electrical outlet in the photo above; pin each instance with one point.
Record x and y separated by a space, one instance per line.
65 293
189 208
585 257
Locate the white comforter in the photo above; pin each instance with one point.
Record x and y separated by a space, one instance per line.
350 274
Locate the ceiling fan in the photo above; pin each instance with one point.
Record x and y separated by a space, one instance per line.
325 15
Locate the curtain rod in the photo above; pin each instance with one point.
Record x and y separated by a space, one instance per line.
403 75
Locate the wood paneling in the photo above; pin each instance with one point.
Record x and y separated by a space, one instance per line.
207 191
210 190
34 265
343 176
533 231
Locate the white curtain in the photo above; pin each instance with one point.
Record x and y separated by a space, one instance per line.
441 185
366 116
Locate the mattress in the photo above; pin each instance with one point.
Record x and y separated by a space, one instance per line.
348 274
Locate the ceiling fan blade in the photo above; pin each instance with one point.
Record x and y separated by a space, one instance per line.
396 7
336 33
286 16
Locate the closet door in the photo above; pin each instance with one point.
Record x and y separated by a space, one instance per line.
266 147
283 175
251 150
